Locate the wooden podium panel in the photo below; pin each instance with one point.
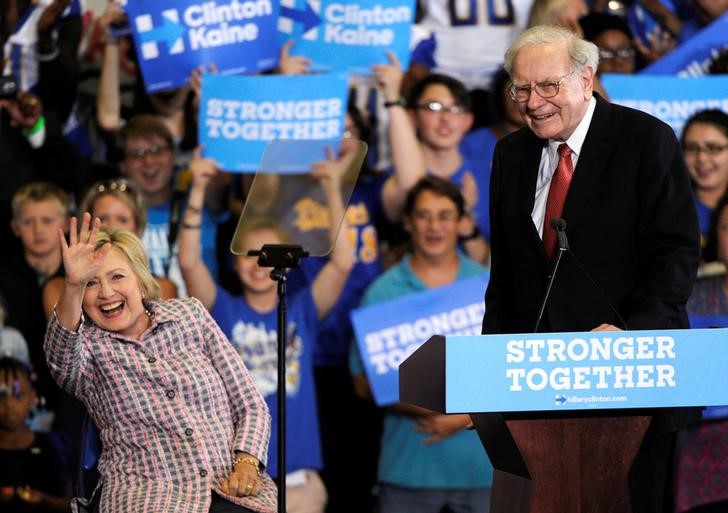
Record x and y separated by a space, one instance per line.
561 464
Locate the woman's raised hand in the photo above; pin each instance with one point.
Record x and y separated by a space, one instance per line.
81 261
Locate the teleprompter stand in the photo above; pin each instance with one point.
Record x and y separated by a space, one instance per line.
280 257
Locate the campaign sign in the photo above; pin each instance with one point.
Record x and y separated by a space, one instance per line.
671 99
692 58
348 34
173 37
590 370
388 332
240 115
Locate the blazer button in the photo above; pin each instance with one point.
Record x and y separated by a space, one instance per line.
203 473
152 359
188 432
171 394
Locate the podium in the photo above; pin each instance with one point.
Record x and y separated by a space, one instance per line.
562 458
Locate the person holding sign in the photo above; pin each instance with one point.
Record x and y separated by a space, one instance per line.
428 461
182 425
618 179
250 320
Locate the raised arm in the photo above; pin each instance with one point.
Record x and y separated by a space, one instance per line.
198 279
81 263
330 281
407 157
108 99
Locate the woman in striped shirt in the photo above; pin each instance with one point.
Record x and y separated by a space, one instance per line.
182 426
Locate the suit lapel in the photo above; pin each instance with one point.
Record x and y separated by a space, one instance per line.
591 163
531 152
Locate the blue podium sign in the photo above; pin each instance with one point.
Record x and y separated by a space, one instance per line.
348 34
387 333
580 371
240 115
173 37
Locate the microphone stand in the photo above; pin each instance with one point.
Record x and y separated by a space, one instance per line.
563 242
280 257
562 249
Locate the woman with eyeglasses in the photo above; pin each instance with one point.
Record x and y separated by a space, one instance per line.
705 146
119 206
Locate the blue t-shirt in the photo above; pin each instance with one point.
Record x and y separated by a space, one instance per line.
254 335
335 331
704 213
477 150
458 461
155 240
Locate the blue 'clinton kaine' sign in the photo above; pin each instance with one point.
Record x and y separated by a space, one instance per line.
239 115
348 34
173 37
387 333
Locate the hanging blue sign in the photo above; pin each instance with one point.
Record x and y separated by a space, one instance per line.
692 57
174 37
671 99
240 116
592 370
348 34
387 333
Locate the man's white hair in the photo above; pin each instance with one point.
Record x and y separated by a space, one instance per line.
582 53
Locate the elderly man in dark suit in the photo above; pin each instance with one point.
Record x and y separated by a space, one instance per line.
618 179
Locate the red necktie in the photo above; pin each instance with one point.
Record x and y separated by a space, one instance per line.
557 196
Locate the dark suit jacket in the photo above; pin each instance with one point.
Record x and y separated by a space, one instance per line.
631 223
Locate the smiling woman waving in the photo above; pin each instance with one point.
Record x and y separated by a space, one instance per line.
182 425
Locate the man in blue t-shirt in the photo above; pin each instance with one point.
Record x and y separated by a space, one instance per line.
428 461
149 159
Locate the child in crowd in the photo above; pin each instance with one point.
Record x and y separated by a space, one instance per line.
39 210
33 466
250 322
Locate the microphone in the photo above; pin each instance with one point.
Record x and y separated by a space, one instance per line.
563 242
560 226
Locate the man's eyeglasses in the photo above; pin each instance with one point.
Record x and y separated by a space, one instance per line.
543 89
709 149
437 107
425 216
140 153
621 53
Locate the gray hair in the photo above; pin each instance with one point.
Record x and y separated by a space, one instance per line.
582 53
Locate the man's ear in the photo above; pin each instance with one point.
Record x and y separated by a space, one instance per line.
470 117
587 81
407 223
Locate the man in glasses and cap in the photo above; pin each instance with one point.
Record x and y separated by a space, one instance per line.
618 179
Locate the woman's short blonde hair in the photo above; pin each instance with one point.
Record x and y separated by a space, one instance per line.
130 245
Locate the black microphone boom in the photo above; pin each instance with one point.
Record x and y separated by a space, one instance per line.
560 226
